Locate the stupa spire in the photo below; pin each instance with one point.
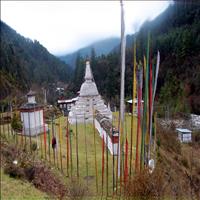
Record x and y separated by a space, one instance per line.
88 72
88 101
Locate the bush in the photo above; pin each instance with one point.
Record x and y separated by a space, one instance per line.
77 190
145 186
16 123
14 171
184 162
35 171
34 146
196 137
168 140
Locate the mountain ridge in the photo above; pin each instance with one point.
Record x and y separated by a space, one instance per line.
101 47
25 62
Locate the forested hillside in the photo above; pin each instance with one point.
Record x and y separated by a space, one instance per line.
102 47
24 62
175 33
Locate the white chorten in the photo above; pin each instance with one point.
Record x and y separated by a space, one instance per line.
88 101
32 116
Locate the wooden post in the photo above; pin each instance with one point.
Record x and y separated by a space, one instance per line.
77 158
60 143
95 156
67 145
86 155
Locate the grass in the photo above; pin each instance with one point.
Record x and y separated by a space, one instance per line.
89 179
15 189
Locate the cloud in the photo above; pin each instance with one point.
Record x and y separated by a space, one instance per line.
64 26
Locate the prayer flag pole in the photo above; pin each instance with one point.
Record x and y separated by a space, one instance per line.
45 143
139 100
67 146
86 155
102 171
133 104
121 124
77 159
95 156
60 143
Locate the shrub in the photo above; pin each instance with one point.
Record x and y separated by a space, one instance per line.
16 124
146 186
77 190
33 146
184 162
168 140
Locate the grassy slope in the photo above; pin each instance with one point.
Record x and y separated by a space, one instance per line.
15 189
170 159
90 154
82 156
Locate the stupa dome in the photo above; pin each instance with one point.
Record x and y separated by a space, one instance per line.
88 88
88 101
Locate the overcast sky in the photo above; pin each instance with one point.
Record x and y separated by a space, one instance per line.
65 26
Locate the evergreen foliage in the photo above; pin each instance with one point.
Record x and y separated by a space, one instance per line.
175 33
24 62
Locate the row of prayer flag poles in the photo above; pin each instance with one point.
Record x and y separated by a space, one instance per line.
52 144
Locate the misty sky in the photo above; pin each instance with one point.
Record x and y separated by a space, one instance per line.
65 26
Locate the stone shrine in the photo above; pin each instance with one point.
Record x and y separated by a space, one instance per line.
88 101
32 116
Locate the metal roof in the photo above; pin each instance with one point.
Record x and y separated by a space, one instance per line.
135 101
31 93
30 106
68 100
184 130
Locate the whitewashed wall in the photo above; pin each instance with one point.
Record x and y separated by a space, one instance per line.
107 140
32 122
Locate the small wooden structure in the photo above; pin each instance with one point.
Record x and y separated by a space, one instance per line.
32 116
130 102
66 104
184 135
110 134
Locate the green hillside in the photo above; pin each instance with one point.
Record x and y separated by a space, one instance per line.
175 33
18 189
25 62
100 47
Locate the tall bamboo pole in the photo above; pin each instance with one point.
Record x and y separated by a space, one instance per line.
102 165
86 153
95 156
23 133
77 158
67 146
53 135
107 164
60 143
145 110
49 143
126 163
56 149
41 138
45 143
121 124
133 105
8 128
35 128
139 100
29 124
71 158
113 160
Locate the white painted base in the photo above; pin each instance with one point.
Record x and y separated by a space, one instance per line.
107 140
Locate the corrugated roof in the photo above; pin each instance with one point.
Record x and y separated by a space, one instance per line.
31 93
135 101
183 130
